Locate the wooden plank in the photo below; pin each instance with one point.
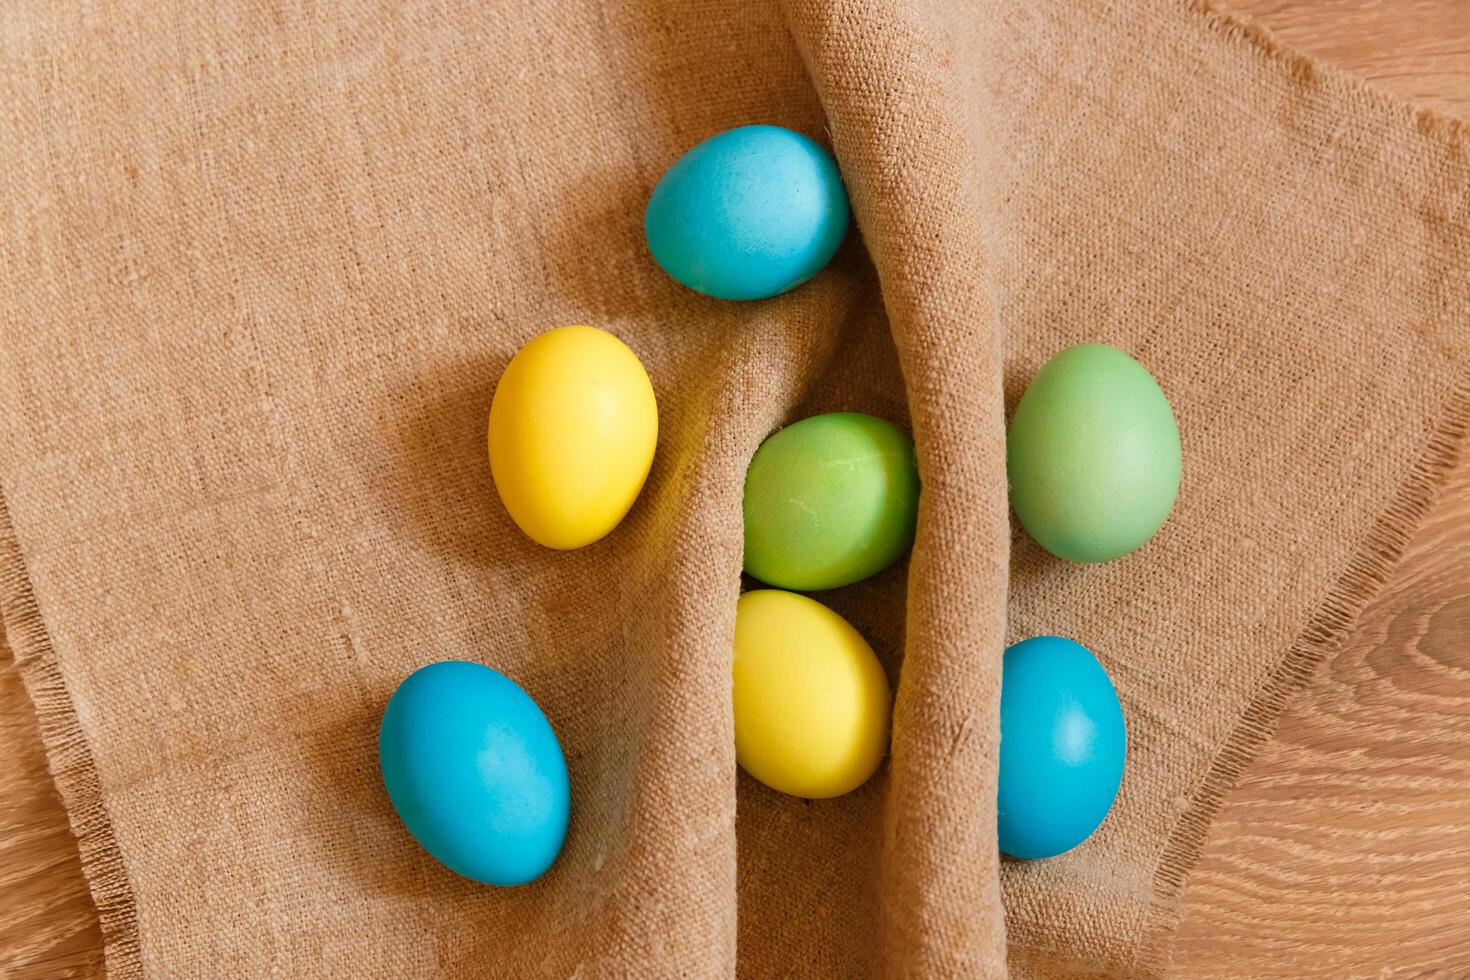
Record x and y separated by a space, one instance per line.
48 925
1416 49
1346 849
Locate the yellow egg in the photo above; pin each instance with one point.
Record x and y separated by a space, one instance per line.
573 426
811 699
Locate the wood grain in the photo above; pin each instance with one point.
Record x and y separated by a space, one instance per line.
1416 49
1345 851
48 926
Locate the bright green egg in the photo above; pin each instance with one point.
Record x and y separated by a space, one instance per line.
1092 455
829 501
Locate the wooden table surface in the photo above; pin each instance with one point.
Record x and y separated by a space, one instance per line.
1344 852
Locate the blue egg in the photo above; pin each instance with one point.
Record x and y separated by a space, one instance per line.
475 772
747 214
1062 744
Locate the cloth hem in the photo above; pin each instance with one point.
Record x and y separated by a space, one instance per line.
1324 634
69 757
1367 571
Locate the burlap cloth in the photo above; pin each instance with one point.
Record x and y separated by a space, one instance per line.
261 265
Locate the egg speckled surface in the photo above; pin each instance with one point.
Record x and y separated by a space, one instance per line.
748 213
573 426
829 501
1062 747
475 772
811 699
1092 455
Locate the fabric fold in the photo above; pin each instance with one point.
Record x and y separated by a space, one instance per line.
890 82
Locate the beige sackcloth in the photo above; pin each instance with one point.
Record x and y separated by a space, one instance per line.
261 264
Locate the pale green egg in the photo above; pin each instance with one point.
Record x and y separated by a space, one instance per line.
1092 455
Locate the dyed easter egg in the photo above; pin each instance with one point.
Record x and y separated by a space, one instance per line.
811 699
747 214
1092 455
1062 746
830 500
573 426
475 772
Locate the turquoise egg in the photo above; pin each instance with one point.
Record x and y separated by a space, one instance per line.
747 214
1062 747
475 772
